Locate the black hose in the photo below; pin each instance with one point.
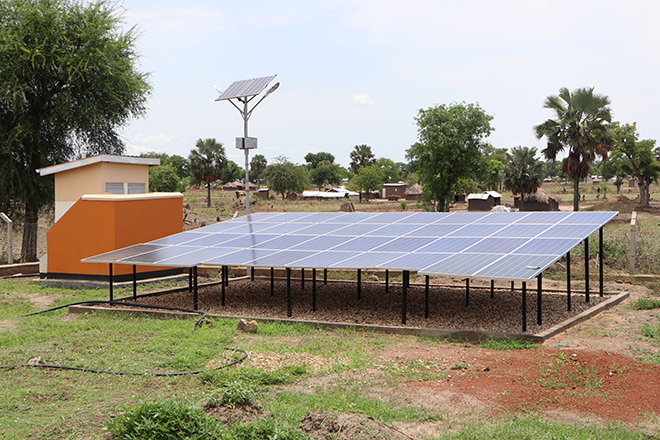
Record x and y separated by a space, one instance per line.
121 373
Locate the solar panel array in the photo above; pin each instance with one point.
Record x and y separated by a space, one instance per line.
490 245
245 88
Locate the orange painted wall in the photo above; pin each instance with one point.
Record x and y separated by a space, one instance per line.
93 227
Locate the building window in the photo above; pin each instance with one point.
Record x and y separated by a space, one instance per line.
136 188
114 187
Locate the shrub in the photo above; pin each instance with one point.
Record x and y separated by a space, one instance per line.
234 394
164 420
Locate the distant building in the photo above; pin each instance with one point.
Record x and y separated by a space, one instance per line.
414 192
394 190
541 200
484 201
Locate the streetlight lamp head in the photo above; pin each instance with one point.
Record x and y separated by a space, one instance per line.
272 89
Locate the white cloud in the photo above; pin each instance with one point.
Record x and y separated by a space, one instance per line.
148 143
362 99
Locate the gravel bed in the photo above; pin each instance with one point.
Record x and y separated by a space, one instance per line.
337 302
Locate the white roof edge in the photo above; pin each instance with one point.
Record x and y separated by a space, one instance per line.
129 197
130 160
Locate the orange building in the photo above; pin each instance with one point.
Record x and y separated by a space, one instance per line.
102 203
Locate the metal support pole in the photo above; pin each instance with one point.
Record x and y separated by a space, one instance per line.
111 281
314 290
302 278
467 292
288 292
195 302
190 280
226 270
272 281
134 283
426 299
600 260
512 286
251 270
568 280
492 288
524 306
325 276
586 269
539 290
387 280
359 284
404 296
224 276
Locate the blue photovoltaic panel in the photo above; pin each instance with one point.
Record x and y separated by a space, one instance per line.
449 244
239 257
154 257
321 243
414 261
405 244
522 267
279 259
474 245
476 230
462 264
367 260
213 239
492 245
520 230
114 256
548 246
362 244
180 238
323 259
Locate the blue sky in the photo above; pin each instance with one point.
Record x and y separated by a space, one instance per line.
356 72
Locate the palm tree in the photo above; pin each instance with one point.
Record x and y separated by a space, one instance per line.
523 173
361 156
207 162
582 127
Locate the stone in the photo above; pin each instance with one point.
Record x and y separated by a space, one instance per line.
247 326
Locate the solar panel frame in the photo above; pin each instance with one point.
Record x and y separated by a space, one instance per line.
513 246
245 88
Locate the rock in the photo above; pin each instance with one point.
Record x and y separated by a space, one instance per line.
347 207
247 326
35 360
374 278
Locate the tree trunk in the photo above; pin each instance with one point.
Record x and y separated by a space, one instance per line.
30 227
644 195
208 194
442 205
576 194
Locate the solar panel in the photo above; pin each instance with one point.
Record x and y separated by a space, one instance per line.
515 246
245 88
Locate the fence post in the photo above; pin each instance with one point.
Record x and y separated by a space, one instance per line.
633 250
10 241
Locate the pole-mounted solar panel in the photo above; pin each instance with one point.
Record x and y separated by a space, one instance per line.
245 88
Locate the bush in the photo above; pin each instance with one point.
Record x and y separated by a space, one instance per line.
234 394
164 420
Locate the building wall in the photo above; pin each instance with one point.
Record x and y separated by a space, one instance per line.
101 223
70 185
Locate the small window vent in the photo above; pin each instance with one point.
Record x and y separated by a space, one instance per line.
136 188
114 187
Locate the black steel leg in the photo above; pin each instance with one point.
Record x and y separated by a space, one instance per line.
568 280
288 292
586 269
223 275
467 292
272 281
359 284
404 294
110 278
426 299
600 260
387 280
325 276
539 290
302 278
134 283
492 288
195 303
524 306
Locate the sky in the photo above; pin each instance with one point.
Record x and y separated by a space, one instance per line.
357 72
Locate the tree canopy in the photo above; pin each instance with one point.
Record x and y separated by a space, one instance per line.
368 179
450 147
361 156
523 173
315 159
207 163
635 157
581 126
285 177
69 80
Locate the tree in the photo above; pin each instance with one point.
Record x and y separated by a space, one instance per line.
389 170
69 80
207 163
232 172
164 178
285 177
490 173
315 159
361 156
523 173
326 174
581 126
368 179
257 166
636 158
450 147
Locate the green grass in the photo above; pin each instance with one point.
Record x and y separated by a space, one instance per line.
646 304
506 344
